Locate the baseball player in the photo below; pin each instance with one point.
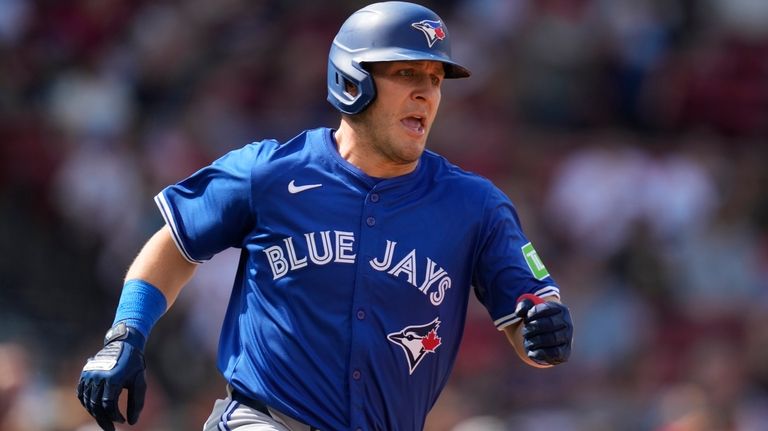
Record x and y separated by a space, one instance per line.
359 252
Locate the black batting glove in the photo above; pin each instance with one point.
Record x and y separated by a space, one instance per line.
119 365
547 331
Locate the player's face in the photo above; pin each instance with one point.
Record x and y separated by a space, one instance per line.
398 121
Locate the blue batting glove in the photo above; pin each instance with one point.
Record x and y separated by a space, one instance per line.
547 331
120 364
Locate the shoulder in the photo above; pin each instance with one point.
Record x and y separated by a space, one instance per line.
477 196
306 141
270 151
441 171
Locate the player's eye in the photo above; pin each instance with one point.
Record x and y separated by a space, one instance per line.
435 80
405 72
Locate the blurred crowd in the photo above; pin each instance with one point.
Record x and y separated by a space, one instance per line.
632 136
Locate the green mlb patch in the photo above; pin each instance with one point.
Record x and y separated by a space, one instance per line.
534 263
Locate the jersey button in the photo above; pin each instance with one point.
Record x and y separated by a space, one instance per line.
360 314
356 374
375 197
370 221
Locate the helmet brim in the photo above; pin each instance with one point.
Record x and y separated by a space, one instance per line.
453 70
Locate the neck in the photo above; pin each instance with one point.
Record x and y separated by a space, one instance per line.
358 150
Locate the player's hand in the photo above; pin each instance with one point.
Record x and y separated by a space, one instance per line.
547 330
120 364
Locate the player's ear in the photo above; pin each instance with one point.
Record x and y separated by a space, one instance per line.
350 88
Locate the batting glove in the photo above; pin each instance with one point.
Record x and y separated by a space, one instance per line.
120 364
547 330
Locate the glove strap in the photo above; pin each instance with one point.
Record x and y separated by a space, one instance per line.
123 332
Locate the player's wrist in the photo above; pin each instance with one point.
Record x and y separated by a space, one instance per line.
141 306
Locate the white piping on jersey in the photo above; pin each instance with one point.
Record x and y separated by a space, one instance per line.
227 416
510 319
169 220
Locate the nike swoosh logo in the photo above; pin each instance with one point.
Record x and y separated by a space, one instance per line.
293 188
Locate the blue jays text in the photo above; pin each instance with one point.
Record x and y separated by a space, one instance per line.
283 259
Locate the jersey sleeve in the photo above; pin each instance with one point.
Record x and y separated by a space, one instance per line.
507 264
211 210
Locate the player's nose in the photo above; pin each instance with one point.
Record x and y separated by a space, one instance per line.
425 90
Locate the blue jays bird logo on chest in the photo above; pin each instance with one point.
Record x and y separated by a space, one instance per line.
417 341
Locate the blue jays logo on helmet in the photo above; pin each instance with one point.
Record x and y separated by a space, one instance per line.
432 29
417 341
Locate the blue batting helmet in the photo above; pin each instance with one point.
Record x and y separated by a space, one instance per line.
388 31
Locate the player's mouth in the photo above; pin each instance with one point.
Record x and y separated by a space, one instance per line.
416 124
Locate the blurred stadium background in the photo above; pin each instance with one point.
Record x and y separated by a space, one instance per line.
631 134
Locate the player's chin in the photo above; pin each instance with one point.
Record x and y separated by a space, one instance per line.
416 139
411 154
412 143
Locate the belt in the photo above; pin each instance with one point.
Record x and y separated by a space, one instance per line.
259 406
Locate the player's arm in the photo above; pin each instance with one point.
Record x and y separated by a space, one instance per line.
152 284
162 265
542 337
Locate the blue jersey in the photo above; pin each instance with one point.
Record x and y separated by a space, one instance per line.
351 293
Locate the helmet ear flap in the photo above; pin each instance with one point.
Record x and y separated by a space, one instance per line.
339 94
